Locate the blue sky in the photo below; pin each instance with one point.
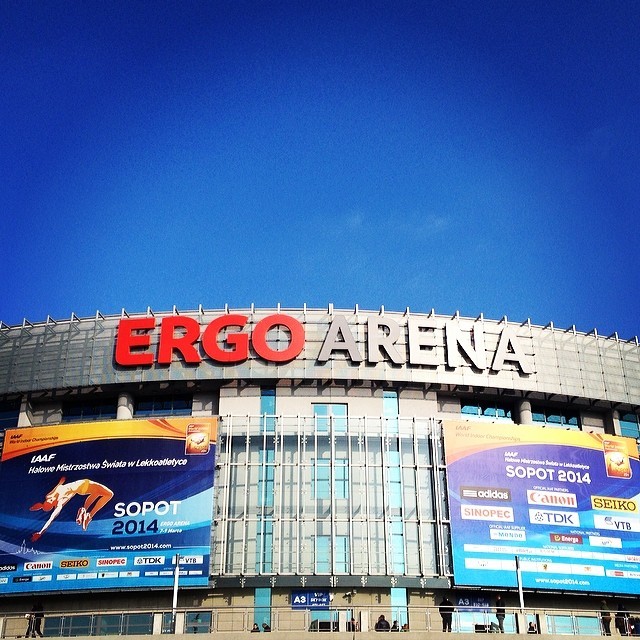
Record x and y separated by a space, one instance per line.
474 156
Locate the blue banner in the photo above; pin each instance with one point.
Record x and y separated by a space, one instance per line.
564 503
106 505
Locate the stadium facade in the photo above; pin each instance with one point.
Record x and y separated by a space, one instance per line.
318 458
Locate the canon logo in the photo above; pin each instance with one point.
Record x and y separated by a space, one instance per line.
552 498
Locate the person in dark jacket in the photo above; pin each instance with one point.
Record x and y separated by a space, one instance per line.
382 624
446 609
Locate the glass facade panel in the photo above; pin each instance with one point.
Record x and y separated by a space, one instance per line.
298 502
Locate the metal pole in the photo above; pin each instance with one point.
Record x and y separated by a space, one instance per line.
519 579
174 606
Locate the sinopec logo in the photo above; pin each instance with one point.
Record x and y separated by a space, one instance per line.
486 493
111 562
79 563
552 498
486 512
614 504
558 518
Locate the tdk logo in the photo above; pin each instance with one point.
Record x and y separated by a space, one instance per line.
558 518
485 493
139 560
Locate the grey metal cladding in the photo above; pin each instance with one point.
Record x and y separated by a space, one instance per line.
80 353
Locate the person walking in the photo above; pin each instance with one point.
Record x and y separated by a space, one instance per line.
500 613
605 618
446 610
34 626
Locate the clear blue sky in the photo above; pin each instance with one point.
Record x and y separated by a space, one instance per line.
480 156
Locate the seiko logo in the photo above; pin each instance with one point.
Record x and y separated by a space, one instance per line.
74 564
613 504
552 498
485 493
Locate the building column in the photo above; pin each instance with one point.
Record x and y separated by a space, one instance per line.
125 406
23 417
525 415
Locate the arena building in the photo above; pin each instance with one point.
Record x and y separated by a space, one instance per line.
319 465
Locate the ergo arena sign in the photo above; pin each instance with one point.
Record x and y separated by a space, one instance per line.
225 340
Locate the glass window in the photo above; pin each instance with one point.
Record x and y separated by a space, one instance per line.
341 559
341 472
323 554
629 425
330 415
555 418
9 413
488 409
89 410
390 410
262 606
264 540
321 479
173 405
268 409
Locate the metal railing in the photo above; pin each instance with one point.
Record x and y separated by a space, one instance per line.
61 624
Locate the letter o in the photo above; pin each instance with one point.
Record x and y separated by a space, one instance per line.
239 342
296 343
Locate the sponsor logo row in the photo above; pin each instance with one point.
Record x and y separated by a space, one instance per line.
550 499
100 563
498 513
98 575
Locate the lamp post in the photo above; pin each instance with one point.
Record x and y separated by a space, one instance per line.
174 606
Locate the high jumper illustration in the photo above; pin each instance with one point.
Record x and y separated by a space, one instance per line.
97 497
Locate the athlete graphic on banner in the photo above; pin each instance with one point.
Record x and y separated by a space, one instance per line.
97 497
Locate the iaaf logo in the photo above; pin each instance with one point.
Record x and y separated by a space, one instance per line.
148 560
111 562
38 566
559 518
552 498
493 514
486 493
